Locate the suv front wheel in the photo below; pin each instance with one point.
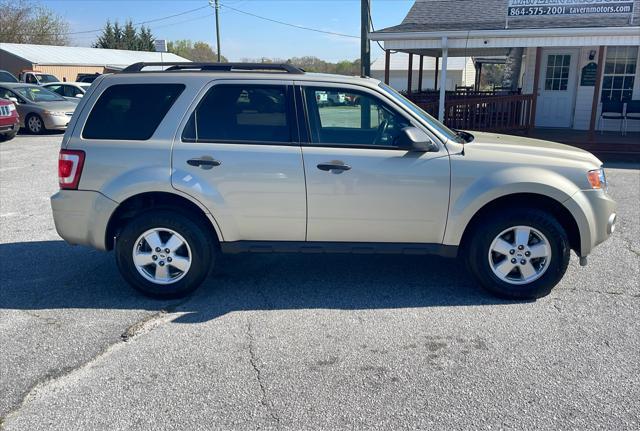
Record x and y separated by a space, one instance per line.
520 254
164 254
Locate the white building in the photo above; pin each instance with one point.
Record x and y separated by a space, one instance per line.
578 55
460 72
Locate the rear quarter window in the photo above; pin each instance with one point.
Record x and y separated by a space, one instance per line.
130 111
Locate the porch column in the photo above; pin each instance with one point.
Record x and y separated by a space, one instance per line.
387 60
410 74
420 76
478 76
443 84
435 84
536 85
596 92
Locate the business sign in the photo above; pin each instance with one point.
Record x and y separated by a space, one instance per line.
526 8
588 75
160 45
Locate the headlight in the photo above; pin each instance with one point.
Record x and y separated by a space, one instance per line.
12 107
56 113
597 179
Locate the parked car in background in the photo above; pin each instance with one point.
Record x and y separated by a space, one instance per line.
170 168
9 120
36 78
39 108
72 91
87 77
7 76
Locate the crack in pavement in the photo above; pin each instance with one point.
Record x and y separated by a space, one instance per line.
144 326
253 360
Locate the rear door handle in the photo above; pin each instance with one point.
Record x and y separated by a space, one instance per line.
333 167
204 163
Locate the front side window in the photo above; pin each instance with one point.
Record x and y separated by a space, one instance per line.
619 73
241 113
130 111
351 118
56 89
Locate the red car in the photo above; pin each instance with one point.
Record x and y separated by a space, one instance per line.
9 120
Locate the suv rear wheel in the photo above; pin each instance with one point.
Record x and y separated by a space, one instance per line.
164 254
519 254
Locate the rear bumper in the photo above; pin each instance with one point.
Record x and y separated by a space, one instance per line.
81 216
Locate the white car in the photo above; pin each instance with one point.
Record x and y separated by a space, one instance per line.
72 91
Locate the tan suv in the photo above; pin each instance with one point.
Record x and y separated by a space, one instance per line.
172 167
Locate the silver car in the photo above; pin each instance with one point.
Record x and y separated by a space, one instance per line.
40 109
171 168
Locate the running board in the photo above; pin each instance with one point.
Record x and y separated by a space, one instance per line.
236 247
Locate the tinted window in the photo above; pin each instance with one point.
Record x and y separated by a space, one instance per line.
249 113
346 117
7 77
56 89
130 111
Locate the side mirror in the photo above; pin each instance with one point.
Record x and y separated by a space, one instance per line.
79 95
415 139
14 100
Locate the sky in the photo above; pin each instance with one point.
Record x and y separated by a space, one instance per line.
242 36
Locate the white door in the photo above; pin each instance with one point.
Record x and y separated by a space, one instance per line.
557 90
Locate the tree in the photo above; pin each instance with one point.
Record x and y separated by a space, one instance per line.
127 37
198 51
26 21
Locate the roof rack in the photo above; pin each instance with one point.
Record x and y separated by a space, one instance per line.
217 67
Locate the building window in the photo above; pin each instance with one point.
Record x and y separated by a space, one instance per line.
557 77
619 73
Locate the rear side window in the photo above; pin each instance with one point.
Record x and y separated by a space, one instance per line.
130 111
241 113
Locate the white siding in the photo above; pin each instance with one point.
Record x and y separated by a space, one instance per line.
398 79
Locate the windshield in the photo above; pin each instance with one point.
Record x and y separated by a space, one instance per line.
44 79
38 94
450 134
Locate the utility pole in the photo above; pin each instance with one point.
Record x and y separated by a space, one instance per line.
365 45
216 5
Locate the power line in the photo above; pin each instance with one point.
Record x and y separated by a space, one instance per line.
100 29
289 24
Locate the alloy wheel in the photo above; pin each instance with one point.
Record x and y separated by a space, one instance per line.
519 255
162 256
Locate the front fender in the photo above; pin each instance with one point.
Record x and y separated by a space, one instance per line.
468 199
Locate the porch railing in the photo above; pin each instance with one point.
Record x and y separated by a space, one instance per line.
512 112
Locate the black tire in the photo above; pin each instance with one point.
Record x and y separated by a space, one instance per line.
8 136
200 242
478 245
32 130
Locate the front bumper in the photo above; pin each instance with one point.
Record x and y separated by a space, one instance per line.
56 122
6 129
597 217
81 216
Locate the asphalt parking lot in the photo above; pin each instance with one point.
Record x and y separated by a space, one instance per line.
306 341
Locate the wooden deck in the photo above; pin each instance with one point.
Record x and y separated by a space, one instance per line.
608 146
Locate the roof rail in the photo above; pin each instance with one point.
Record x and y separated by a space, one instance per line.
218 67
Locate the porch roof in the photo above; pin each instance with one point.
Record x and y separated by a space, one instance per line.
462 43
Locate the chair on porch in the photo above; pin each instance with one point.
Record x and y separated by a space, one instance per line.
611 110
632 112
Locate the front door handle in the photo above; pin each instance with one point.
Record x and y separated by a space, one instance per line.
204 163
333 167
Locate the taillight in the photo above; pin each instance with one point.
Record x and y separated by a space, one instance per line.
70 164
